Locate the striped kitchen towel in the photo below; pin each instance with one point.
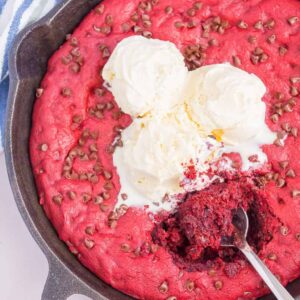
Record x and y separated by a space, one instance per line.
14 16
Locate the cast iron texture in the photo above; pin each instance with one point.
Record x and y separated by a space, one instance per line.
28 63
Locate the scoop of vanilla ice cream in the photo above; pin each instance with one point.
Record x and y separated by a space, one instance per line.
145 75
224 99
156 150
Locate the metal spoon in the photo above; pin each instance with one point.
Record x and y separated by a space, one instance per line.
241 223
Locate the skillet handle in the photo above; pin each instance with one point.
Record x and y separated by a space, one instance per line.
61 284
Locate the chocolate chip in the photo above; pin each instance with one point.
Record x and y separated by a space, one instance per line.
284 230
297 236
104 207
43 147
294 132
164 287
168 9
293 20
125 248
100 9
295 79
90 230
105 195
294 91
74 68
190 285
198 5
107 174
109 20
96 28
191 12
236 61
66 59
125 27
278 142
218 284
147 34
275 118
124 196
66 92
178 24
258 25
270 24
89 243
242 25
39 92
72 195
135 17
271 39
280 183
77 119
295 193
57 199
291 173
74 42
282 50
283 164
86 197
98 199
272 256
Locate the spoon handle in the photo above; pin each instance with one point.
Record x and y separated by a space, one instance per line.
273 283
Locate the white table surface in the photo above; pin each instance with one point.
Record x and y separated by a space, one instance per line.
23 267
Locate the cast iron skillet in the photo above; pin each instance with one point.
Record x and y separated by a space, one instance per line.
28 63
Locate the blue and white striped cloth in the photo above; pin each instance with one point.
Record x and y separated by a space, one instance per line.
14 16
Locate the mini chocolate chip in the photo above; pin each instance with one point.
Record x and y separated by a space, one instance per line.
109 20
57 199
147 34
75 52
107 174
178 24
75 67
104 207
213 42
72 195
66 92
168 9
96 28
39 92
147 24
125 248
137 29
252 39
294 80
275 118
198 5
293 20
242 25
106 29
284 230
74 42
191 12
280 182
98 199
90 230
164 287
105 53
291 173
286 126
270 24
272 256
134 17
282 50
278 142
283 164
297 236
124 196
236 61
218 284
190 285
93 147
112 224
258 25
98 168
77 119
271 39
110 149
94 178
100 9
295 193
66 59
125 27
172 298
294 132
105 195
294 91
43 147
86 197
89 243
